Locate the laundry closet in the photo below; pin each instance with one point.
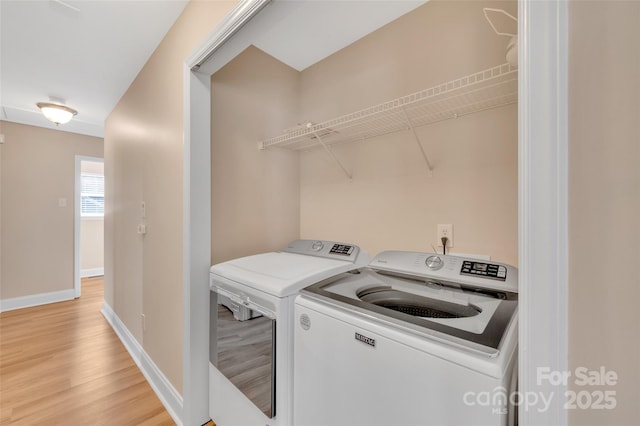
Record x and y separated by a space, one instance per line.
387 191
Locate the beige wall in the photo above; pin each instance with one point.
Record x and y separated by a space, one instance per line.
143 162
391 198
38 169
392 203
255 194
91 244
604 196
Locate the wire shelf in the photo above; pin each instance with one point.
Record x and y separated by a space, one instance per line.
483 90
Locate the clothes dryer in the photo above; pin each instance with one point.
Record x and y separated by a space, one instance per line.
251 348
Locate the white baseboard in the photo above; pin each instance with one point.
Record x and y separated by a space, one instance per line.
36 300
127 339
93 272
167 394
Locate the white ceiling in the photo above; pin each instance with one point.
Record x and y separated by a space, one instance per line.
87 52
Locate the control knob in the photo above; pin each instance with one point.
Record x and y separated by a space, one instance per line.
317 245
434 262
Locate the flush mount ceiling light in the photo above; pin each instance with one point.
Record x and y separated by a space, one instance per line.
56 113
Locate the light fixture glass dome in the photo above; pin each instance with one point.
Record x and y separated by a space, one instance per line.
56 113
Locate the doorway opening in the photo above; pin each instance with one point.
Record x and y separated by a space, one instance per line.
89 220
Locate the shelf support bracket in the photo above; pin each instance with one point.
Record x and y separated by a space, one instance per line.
415 135
332 155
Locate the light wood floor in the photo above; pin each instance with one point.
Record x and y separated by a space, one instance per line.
62 364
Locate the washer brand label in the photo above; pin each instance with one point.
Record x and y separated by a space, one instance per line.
364 339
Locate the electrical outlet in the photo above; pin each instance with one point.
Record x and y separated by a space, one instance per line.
144 322
445 231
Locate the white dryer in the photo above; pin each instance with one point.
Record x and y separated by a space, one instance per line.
415 339
251 347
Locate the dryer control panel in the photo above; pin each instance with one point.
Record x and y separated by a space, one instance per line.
321 248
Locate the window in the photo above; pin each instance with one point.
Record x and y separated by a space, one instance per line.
91 195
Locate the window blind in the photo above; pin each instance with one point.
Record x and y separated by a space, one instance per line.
91 194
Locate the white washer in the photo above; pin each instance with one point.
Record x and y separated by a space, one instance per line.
251 348
413 339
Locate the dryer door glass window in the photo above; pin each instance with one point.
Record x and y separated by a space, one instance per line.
244 350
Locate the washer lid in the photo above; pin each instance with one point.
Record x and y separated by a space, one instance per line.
474 318
279 273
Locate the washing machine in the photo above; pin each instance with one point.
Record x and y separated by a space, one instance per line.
251 347
414 339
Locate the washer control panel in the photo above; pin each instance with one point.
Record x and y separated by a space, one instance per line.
481 269
434 262
453 269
